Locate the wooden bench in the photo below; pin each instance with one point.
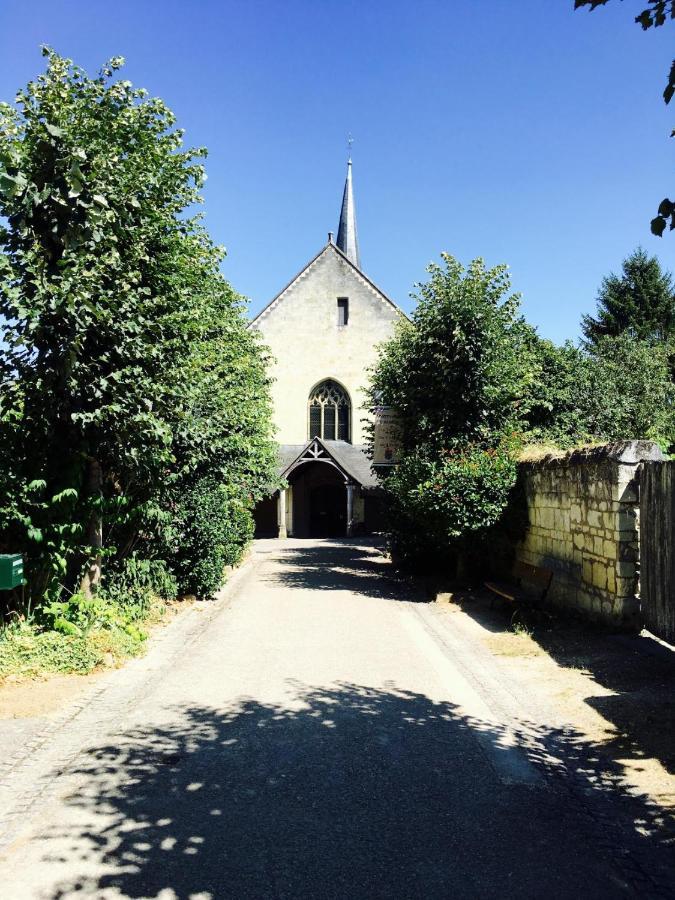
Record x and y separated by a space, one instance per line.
529 583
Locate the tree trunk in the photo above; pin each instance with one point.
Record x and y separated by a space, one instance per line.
92 576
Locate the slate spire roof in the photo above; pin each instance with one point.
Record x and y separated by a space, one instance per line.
347 237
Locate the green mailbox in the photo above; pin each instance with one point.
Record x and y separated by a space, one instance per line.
11 571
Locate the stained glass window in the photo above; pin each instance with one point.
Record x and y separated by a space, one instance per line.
329 412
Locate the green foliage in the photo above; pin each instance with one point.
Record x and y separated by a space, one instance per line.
640 302
214 525
620 389
127 370
133 583
459 376
25 650
437 499
462 368
619 385
80 614
633 393
656 13
28 649
561 395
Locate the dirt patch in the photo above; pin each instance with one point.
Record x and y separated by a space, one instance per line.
616 691
511 644
41 697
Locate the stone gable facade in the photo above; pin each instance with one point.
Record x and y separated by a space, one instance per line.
302 330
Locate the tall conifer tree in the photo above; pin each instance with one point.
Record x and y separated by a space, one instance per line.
640 302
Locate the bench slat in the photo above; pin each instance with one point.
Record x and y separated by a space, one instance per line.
502 590
525 575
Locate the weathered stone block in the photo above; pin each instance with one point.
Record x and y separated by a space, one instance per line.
626 491
587 569
594 518
600 575
584 600
609 521
628 551
625 569
546 519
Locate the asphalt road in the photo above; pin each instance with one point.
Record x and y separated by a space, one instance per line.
318 733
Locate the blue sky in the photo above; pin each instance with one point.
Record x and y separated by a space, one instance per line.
516 130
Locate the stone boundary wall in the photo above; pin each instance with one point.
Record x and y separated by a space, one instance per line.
583 523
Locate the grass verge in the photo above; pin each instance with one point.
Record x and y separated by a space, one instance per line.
29 650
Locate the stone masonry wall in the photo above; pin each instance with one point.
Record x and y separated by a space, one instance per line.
583 523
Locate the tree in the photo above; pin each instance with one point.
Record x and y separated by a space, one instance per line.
633 392
619 388
459 376
559 400
656 14
110 290
461 368
639 303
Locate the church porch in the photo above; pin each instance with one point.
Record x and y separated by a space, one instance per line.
331 492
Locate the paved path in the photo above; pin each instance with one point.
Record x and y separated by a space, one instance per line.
317 733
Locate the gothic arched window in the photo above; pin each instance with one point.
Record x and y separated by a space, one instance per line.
329 412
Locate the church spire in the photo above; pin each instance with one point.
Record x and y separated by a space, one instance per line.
347 238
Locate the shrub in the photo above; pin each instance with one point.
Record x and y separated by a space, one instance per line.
436 499
134 581
215 524
26 649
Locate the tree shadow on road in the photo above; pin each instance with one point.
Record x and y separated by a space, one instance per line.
349 792
361 569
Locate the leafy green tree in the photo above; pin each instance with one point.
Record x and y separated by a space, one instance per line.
461 369
110 290
633 392
225 457
559 400
656 13
459 375
214 525
640 302
440 502
620 388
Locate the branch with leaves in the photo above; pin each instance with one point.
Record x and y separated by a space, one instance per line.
657 13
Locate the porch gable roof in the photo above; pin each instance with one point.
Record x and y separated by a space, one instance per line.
350 459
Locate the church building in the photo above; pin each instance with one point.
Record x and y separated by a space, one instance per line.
323 329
